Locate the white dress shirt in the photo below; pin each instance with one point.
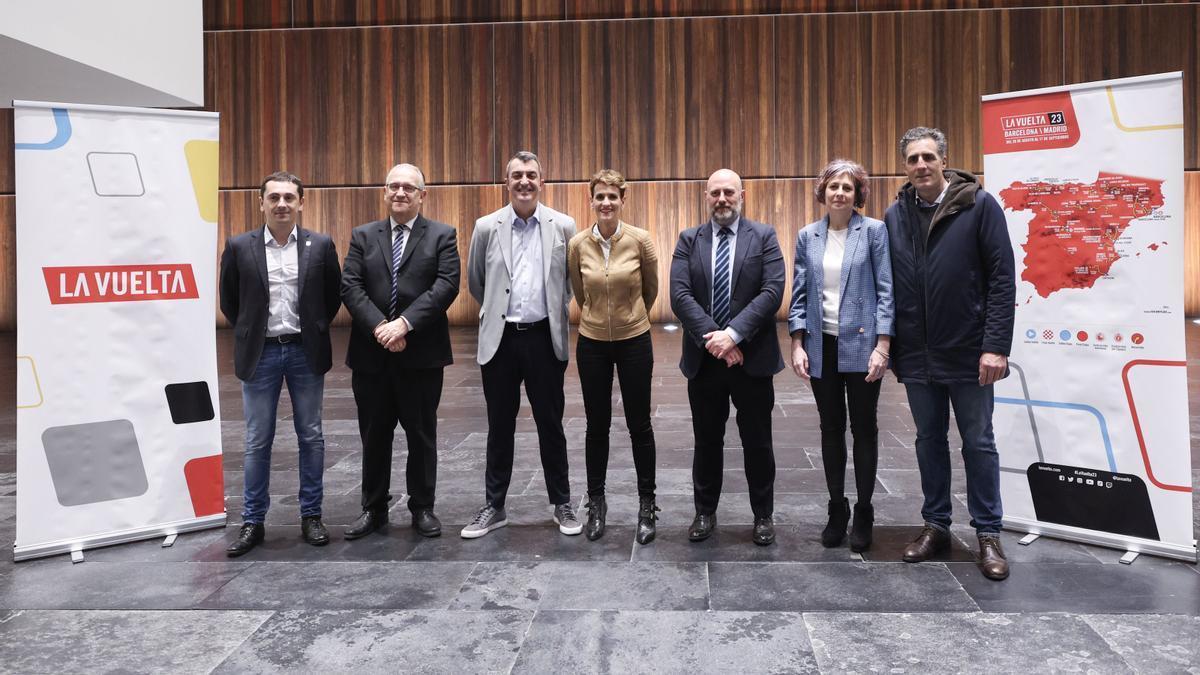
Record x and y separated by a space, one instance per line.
283 284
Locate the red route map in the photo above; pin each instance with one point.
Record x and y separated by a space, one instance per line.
1075 226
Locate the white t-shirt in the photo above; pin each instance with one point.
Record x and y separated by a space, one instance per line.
831 293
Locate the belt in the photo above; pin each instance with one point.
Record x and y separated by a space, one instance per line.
283 339
527 326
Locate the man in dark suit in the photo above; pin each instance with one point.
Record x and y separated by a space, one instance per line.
401 275
726 285
279 289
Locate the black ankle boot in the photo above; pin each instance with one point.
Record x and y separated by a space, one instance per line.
860 530
646 518
835 530
597 510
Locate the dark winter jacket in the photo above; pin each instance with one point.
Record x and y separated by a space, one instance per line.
954 288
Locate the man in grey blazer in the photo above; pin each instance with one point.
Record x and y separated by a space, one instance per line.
726 285
517 271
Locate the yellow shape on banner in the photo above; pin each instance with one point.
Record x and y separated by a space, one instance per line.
25 393
1112 105
202 164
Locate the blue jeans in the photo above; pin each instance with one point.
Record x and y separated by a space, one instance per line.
260 400
930 404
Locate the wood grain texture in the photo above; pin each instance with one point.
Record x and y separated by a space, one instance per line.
918 74
1191 244
695 95
8 179
324 13
247 14
640 9
8 263
1103 43
333 106
912 5
820 97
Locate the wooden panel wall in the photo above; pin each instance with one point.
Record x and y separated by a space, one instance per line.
664 90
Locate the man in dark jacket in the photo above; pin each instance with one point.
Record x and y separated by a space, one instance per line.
727 280
952 266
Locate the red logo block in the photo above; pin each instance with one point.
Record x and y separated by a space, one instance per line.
119 283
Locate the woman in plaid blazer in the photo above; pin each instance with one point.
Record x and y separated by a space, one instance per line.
841 325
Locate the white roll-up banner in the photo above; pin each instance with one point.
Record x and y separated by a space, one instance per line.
118 425
1092 424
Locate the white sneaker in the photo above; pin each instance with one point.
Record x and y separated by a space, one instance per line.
489 518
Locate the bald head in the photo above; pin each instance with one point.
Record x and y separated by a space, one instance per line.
414 173
724 195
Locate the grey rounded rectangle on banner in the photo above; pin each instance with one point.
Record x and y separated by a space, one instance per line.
94 462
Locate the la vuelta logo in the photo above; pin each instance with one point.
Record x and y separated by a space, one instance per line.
119 283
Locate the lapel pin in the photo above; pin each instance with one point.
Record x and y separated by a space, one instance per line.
308 243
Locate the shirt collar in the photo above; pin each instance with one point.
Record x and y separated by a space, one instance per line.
533 219
936 202
408 226
733 227
268 237
597 236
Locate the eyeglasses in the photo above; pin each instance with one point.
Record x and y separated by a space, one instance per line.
409 190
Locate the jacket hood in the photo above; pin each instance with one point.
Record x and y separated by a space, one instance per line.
960 194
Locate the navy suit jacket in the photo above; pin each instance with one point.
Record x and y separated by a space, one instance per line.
428 283
246 298
757 291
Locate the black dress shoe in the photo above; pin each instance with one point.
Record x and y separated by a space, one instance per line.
764 531
251 535
314 530
426 524
702 527
861 530
367 523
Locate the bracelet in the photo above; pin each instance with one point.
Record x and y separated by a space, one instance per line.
883 354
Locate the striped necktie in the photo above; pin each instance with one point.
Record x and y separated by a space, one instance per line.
397 247
720 311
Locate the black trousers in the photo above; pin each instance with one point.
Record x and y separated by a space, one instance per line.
525 356
411 397
634 361
833 390
709 394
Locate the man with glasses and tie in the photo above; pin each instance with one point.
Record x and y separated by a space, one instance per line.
727 280
400 276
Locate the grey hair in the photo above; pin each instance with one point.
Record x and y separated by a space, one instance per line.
523 156
917 133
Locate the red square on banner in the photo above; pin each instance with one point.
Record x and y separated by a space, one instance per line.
206 485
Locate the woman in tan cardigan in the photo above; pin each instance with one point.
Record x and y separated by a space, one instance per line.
614 274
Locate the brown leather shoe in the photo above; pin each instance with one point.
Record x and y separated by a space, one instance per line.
991 558
929 543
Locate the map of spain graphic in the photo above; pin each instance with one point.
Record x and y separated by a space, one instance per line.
1075 226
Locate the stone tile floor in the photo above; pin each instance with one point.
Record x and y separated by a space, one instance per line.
527 599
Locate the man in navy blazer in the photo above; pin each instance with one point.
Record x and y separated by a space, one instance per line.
279 289
727 279
401 276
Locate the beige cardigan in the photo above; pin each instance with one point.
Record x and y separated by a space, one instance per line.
614 299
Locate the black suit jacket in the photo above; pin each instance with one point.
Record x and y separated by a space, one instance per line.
428 283
246 297
758 275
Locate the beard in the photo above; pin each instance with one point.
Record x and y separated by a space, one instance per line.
725 216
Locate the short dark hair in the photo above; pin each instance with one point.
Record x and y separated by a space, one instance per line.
524 156
917 133
857 174
609 177
282 177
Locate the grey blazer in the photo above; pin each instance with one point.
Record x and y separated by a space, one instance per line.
489 275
